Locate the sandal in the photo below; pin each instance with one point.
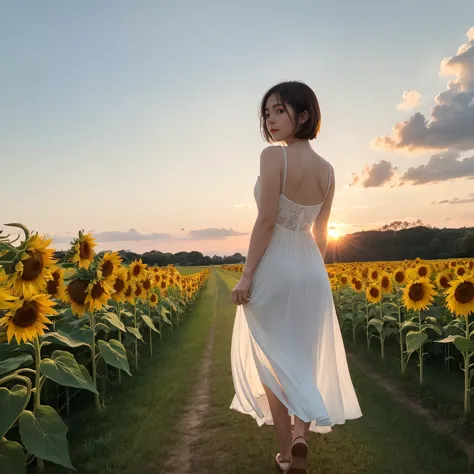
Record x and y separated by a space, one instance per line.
282 464
299 453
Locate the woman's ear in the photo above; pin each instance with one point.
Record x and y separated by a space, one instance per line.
304 117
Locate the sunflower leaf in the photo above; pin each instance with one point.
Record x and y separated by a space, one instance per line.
12 458
63 369
149 323
13 363
114 354
114 320
12 403
414 340
135 332
436 329
64 339
43 434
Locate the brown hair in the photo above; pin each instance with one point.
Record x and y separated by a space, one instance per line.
300 97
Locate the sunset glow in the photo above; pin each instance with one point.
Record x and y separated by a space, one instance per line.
333 234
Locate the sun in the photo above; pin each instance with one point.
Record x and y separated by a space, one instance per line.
333 233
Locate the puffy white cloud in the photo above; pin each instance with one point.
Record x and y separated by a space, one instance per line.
410 100
375 175
213 234
451 124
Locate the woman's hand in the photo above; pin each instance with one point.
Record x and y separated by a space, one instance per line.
240 294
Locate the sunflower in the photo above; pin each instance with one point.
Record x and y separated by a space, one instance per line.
146 283
399 276
460 296
76 294
460 270
385 283
374 274
356 284
55 287
33 269
128 293
153 299
120 284
344 279
423 271
28 317
373 293
137 270
108 265
443 280
138 291
83 250
98 294
418 294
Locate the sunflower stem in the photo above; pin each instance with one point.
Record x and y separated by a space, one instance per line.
151 339
94 362
37 397
420 350
467 378
136 340
399 307
382 338
119 338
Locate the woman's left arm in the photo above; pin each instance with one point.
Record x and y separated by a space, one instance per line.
265 222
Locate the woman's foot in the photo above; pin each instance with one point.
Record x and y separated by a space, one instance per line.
299 455
283 462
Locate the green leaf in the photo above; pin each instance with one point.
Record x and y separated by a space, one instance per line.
135 332
377 323
12 403
63 369
114 354
347 316
149 323
414 340
390 319
43 434
437 329
447 340
64 339
114 320
12 458
463 344
101 327
408 324
13 363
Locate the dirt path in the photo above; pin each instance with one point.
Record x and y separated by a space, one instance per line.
431 418
179 461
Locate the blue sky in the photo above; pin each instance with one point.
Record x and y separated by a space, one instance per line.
136 120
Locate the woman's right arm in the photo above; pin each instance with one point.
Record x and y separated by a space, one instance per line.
320 227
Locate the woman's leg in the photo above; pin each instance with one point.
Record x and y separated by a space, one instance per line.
301 428
282 422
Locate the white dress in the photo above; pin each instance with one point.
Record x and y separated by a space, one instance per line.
288 335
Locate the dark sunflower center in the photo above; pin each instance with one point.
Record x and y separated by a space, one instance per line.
97 291
128 291
84 250
374 292
77 291
385 282
119 285
399 277
27 315
358 285
374 275
163 284
52 287
138 290
153 298
422 271
416 292
444 282
107 268
464 292
460 271
147 284
32 266
136 270
343 280
56 276
365 273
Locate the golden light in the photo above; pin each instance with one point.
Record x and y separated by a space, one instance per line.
333 233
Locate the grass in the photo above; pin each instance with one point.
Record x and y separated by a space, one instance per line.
138 427
387 439
190 270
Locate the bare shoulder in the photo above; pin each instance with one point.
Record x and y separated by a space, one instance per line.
269 156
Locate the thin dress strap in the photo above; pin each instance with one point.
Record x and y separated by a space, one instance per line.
284 172
329 180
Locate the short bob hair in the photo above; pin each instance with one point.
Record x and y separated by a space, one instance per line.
300 97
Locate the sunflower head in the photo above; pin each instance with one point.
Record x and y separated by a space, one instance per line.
399 276
373 292
137 270
418 294
443 280
460 296
98 294
83 250
76 294
108 265
385 283
28 317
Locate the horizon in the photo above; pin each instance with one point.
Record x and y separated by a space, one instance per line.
114 120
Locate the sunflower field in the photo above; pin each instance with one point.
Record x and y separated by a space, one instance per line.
421 307
73 324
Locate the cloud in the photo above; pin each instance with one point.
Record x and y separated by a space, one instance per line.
410 100
117 236
440 167
213 234
451 123
246 205
469 198
375 175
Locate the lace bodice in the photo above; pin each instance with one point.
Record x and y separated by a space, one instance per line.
291 215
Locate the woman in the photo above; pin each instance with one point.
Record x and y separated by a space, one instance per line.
288 359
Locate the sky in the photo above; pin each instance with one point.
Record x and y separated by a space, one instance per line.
138 121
